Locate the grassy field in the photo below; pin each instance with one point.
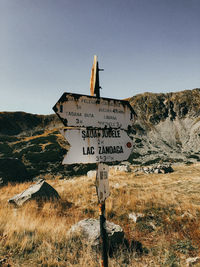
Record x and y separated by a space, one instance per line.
169 228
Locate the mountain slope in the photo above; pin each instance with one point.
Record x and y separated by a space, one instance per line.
167 128
168 125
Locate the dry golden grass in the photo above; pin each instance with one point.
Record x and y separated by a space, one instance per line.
169 230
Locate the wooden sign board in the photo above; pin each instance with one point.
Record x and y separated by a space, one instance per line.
97 145
76 110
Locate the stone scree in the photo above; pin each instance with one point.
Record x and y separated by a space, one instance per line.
160 168
89 230
40 191
121 168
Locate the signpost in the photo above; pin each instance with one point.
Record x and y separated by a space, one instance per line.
98 134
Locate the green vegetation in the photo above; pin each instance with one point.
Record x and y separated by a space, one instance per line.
5 149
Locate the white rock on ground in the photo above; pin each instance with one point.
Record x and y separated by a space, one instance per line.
89 230
134 216
121 168
91 174
192 261
40 191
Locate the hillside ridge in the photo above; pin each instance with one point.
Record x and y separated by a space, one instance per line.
166 129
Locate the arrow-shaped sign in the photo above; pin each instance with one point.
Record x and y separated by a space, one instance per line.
97 145
76 110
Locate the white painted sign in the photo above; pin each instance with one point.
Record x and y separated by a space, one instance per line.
88 111
102 184
97 145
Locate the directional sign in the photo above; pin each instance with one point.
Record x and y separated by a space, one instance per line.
76 110
102 184
97 145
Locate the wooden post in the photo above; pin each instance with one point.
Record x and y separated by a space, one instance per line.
103 235
95 90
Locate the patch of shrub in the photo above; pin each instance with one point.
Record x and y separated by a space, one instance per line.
20 145
143 226
184 246
53 146
193 157
137 127
46 156
5 149
167 144
44 139
138 140
27 150
31 149
134 155
172 260
135 162
173 160
33 172
6 138
38 132
188 163
140 145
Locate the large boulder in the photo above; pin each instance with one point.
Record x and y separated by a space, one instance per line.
13 170
40 191
89 231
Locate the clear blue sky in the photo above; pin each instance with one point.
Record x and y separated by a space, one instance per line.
47 48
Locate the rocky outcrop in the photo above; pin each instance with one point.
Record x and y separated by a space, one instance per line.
160 168
167 127
154 108
40 191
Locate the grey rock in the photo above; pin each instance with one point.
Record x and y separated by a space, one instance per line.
3 260
134 216
192 261
40 191
89 230
125 163
121 168
187 215
1 181
157 171
91 174
152 225
160 168
119 185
